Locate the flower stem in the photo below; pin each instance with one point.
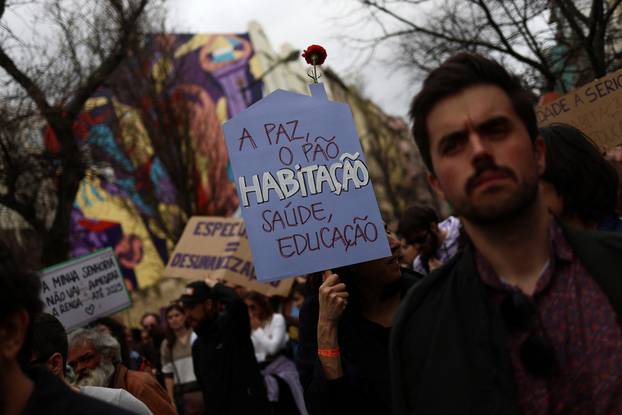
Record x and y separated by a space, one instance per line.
314 59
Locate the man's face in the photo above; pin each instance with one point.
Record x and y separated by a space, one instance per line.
485 164
195 313
149 323
82 358
90 367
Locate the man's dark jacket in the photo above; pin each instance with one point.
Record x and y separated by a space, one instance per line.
448 353
224 360
52 396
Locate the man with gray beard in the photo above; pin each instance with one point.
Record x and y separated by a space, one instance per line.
96 359
49 351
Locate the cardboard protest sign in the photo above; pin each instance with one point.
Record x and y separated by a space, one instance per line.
219 247
84 289
304 187
595 109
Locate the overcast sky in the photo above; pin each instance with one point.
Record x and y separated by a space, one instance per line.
301 23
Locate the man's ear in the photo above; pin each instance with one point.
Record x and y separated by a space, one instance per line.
56 364
13 333
433 180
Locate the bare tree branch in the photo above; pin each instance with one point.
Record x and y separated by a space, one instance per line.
26 82
612 8
111 62
570 47
454 38
64 73
509 49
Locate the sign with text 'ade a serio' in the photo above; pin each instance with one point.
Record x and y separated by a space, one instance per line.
84 289
594 108
305 191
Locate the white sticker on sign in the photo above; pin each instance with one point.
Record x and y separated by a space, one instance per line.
84 289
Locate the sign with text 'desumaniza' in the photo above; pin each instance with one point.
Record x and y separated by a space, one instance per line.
218 247
84 289
305 190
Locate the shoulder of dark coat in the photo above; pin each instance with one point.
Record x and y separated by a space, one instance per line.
423 289
53 396
601 254
583 238
427 290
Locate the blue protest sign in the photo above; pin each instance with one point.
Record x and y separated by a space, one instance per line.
305 191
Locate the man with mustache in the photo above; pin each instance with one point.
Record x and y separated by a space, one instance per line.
526 318
95 356
49 350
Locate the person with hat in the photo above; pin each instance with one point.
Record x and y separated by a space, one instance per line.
223 355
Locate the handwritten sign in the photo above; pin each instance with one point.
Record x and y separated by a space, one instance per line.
595 109
84 289
304 187
219 247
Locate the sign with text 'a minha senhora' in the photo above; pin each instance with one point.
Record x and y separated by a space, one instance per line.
84 289
305 190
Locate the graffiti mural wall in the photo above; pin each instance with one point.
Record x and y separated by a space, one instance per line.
128 193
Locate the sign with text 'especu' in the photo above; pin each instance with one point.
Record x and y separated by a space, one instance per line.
218 247
84 289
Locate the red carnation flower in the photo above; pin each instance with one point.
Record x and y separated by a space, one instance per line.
315 55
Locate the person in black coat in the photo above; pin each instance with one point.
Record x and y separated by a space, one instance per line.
344 334
223 355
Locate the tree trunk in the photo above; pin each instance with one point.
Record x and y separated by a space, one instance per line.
56 247
56 244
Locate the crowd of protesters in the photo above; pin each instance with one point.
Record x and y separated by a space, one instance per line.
511 305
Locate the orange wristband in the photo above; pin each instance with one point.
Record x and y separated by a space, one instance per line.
335 352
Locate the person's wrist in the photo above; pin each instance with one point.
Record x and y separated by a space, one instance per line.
327 335
327 321
331 352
